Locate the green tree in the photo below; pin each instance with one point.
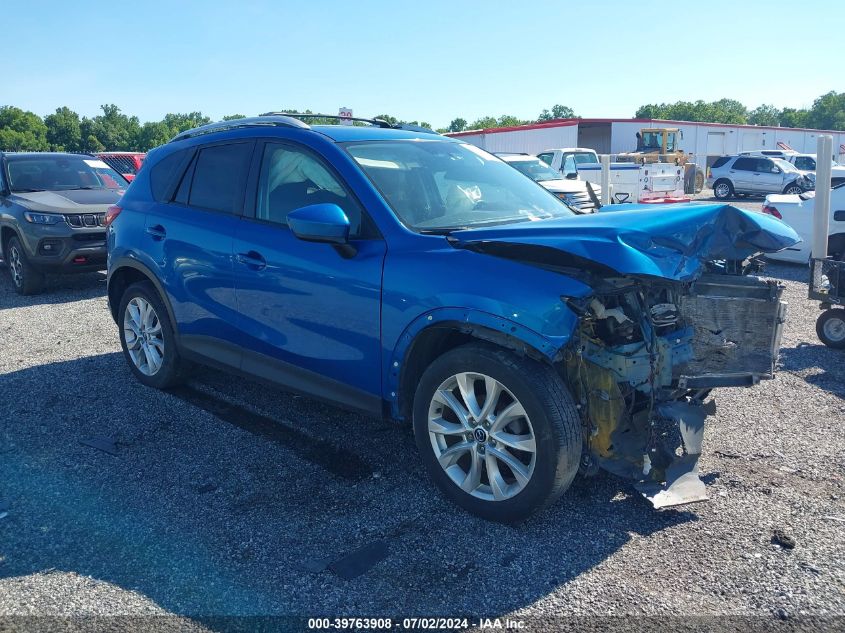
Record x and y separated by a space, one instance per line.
390 119
827 112
63 130
178 123
764 115
721 111
115 130
457 125
233 117
483 123
558 112
22 130
790 117
153 134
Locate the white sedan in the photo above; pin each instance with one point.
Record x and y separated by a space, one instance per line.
797 212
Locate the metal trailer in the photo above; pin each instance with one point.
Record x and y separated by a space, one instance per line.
827 285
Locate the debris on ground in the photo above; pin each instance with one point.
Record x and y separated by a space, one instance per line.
780 537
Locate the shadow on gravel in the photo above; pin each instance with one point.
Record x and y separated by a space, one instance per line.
818 364
231 498
59 289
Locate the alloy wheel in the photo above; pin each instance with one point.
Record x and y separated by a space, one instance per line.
722 190
481 436
794 190
143 336
16 266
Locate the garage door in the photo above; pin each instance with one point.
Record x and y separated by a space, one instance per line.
715 143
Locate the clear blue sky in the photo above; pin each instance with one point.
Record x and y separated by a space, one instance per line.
432 60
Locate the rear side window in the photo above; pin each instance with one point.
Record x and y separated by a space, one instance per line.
720 161
745 163
164 174
219 176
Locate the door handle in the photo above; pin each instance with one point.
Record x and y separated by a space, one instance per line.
157 232
252 260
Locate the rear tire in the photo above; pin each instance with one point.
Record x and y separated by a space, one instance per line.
26 279
830 327
549 429
148 339
723 190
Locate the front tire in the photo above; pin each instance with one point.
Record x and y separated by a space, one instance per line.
26 279
499 434
723 190
830 327
147 338
793 189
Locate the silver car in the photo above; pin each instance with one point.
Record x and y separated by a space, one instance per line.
755 175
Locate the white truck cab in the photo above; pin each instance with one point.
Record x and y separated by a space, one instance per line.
567 159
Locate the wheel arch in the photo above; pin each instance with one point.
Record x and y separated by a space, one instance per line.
6 233
433 334
127 272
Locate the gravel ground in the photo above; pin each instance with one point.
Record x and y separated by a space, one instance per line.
232 498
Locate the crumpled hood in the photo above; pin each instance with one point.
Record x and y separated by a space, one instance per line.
671 242
70 201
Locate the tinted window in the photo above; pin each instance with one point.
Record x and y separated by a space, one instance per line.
61 172
219 177
805 162
720 161
164 174
765 165
291 178
745 163
546 158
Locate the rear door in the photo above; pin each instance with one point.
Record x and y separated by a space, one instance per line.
309 314
191 237
741 173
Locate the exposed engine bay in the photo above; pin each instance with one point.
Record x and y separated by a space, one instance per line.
643 361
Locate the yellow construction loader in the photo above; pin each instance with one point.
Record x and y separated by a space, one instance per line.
660 145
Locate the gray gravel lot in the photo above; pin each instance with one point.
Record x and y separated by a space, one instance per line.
230 497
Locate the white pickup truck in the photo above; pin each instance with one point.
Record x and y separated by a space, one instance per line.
797 212
567 159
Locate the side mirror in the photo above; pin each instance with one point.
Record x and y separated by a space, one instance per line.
571 175
323 222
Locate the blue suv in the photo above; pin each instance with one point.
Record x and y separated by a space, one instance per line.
412 276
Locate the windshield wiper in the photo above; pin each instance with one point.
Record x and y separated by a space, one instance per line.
25 190
86 187
441 231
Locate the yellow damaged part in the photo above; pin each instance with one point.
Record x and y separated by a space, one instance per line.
604 402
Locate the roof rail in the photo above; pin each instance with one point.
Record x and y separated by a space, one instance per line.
296 115
221 126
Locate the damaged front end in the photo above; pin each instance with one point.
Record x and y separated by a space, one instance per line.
643 361
675 311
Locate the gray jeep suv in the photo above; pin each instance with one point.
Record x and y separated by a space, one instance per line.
755 175
52 208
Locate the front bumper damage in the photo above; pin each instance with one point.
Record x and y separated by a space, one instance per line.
643 365
674 313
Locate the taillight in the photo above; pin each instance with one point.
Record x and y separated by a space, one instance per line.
111 214
772 211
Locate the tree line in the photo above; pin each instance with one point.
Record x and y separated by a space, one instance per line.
65 130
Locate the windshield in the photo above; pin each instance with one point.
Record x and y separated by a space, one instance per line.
61 173
536 169
784 165
438 186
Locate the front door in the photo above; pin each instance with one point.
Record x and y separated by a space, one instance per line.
309 314
769 177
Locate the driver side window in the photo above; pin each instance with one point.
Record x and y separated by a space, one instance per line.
291 178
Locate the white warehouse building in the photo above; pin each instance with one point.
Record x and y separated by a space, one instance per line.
614 136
